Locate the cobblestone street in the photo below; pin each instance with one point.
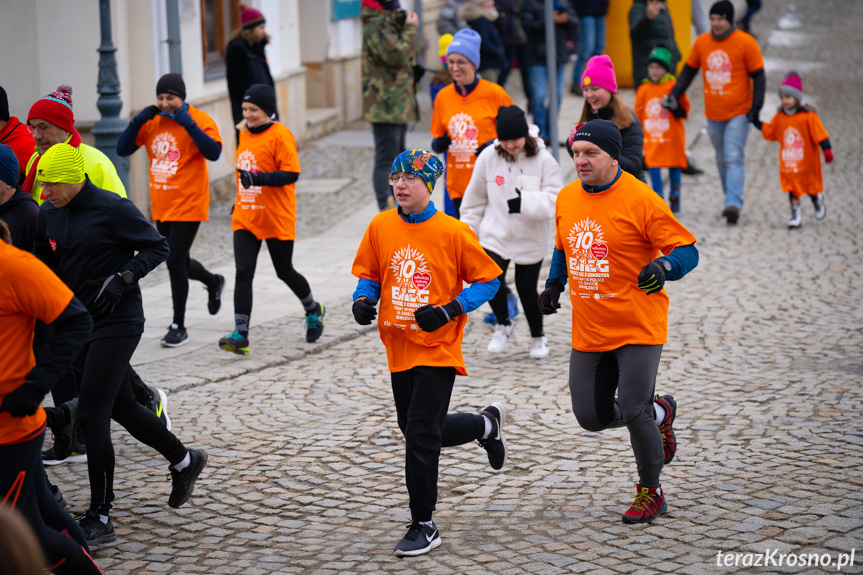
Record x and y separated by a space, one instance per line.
765 359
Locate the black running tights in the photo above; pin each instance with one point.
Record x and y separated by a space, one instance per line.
526 277
181 267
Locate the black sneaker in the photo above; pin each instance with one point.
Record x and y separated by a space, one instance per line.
78 455
419 539
315 323
731 214
214 301
55 491
235 342
64 437
675 204
96 532
495 443
175 337
159 405
184 481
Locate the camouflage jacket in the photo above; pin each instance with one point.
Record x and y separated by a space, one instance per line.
389 47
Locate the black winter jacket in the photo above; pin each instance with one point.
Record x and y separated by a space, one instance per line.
590 7
533 22
632 152
95 236
21 214
245 64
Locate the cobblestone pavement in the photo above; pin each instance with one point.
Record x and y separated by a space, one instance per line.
765 358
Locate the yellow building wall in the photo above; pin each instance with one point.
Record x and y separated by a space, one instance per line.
619 48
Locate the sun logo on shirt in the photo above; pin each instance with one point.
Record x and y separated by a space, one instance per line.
793 148
718 72
410 269
164 157
656 123
588 251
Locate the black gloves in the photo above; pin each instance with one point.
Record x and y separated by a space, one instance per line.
146 115
669 103
515 203
109 295
364 311
549 299
430 318
652 276
183 118
248 179
482 147
23 401
752 116
441 143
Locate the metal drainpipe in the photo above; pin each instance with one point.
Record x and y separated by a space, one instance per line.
551 67
175 58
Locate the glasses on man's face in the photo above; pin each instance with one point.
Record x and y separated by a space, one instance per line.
49 186
406 178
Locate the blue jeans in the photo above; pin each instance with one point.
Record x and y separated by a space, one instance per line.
673 181
590 43
729 140
539 92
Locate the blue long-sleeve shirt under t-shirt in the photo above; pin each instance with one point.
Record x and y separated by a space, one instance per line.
683 259
470 298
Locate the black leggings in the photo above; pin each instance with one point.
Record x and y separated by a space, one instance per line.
456 204
630 372
106 394
422 397
24 488
181 267
246 248
526 277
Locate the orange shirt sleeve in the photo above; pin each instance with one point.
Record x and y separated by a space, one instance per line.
366 264
752 54
817 129
768 129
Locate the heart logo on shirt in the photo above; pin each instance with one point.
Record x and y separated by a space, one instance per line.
173 155
471 133
421 280
53 244
498 180
599 251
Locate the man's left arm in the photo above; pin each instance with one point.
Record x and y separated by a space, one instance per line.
759 85
132 228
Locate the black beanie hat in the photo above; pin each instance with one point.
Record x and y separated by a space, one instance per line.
263 96
725 9
171 84
4 105
511 123
603 133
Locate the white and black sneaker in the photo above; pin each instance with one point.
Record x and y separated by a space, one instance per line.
501 336
795 220
495 443
420 539
175 337
820 208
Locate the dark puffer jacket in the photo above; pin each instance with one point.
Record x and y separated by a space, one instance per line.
646 34
245 64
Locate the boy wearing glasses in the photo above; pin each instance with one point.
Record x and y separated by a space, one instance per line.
414 261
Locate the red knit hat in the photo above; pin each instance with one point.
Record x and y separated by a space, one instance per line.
250 17
56 108
792 86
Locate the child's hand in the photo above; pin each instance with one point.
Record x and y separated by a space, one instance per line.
828 155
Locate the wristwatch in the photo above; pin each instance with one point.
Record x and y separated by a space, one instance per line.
127 277
666 265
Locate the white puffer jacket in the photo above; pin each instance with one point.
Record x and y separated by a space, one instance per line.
524 237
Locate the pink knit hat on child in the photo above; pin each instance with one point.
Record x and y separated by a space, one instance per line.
599 71
792 86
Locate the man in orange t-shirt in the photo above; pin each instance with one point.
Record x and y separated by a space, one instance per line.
30 290
415 260
179 140
617 243
734 84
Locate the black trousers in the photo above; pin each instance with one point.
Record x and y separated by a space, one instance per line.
106 394
23 488
389 143
526 277
422 397
181 267
629 371
246 249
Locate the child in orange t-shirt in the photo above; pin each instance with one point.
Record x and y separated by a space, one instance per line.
179 140
662 118
799 132
415 260
265 209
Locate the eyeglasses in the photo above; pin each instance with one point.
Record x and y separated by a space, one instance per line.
406 178
49 186
457 63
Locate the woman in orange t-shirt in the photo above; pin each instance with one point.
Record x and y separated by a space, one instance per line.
266 209
463 119
662 120
179 140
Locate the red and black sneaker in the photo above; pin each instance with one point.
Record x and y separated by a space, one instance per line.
669 442
648 505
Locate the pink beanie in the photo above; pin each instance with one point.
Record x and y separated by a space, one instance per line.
599 71
792 86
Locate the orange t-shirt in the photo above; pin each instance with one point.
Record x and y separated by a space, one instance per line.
265 211
419 264
664 135
179 183
726 67
469 121
799 136
28 290
607 238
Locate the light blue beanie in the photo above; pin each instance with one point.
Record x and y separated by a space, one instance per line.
466 42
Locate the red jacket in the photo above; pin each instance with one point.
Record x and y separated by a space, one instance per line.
18 137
